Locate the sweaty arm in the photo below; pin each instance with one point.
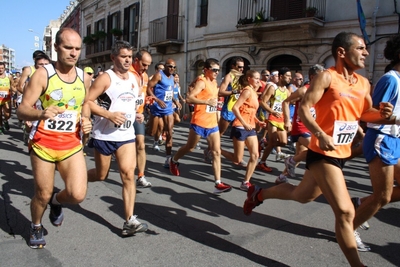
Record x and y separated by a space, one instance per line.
246 94
24 77
265 97
224 86
294 97
314 93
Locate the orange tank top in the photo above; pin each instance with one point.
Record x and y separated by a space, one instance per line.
338 113
204 115
249 109
142 80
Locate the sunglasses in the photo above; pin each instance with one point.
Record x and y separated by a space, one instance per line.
214 70
240 67
267 75
170 66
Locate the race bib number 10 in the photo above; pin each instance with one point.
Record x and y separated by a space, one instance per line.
344 132
65 122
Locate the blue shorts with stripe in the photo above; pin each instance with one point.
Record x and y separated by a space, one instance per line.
385 146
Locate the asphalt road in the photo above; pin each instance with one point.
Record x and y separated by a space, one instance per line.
188 224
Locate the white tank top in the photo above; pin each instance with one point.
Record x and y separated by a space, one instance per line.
120 96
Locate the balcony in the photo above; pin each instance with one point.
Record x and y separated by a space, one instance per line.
166 32
258 17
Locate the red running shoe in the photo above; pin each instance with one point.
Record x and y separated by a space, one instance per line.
263 167
173 167
252 200
221 187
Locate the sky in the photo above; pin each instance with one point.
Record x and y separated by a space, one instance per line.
18 16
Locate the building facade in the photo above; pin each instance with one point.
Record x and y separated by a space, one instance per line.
7 55
265 33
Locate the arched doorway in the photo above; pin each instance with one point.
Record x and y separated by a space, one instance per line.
289 61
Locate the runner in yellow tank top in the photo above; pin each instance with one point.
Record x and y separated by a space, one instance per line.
6 82
63 108
277 135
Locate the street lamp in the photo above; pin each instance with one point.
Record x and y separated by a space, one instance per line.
37 40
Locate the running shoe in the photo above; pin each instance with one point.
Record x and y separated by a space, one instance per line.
242 164
360 245
262 144
156 147
2 130
221 187
56 213
263 167
280 156
207 156
36 238
133 226
142 182
281 179
6 125
166 162
356 200
245 186
252 201
290 166
174 167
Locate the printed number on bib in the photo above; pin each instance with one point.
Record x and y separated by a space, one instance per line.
344 132
211 109
3 94
65 122
168 95
140 100
277 107
126 125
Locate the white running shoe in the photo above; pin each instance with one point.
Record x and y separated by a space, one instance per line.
360 245
281 179
280 156
290 167
156 147
142 182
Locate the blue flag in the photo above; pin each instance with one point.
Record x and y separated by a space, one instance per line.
362 21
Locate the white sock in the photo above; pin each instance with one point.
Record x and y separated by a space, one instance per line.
35 225
217 181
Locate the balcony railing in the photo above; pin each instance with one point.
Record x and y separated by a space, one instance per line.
271 10
166 30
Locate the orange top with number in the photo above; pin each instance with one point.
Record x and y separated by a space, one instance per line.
338 112
142 80
248 110
204 115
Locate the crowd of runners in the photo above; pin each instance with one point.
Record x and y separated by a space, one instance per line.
324 121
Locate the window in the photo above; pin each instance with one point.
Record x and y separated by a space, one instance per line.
202 13
99 45
287 9
113 22
131 24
